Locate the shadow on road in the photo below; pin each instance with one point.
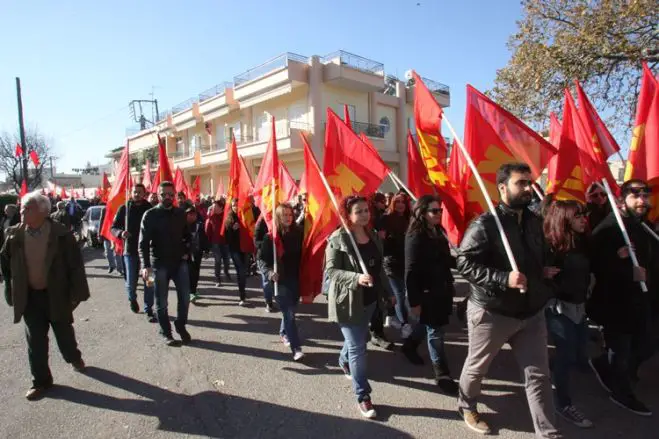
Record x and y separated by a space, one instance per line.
213 414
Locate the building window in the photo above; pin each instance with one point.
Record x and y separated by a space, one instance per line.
386 124
180 146
219 138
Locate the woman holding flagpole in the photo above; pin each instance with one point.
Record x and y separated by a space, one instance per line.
288 256
354 294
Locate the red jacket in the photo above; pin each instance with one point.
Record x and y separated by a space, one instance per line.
212 228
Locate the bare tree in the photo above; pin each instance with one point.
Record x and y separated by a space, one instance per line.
12 166
598 42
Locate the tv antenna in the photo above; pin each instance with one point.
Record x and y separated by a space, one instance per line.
139 111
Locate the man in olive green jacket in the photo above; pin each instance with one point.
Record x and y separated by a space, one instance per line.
44 282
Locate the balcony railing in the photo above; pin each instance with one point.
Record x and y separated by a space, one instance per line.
216 90
355 61
163 115
184 105
370 129
433 86
277 63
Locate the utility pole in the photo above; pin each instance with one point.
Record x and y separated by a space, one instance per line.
21 128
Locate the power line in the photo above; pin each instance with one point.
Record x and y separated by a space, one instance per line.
94 122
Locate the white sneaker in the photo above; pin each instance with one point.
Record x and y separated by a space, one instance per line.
241 303
391 322
298 355
406 330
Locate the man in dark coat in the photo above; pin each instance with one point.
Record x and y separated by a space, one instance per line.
45 282
618 303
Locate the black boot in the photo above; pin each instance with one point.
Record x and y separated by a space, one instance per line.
443 379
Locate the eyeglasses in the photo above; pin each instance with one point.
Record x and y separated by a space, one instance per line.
639 191
435 210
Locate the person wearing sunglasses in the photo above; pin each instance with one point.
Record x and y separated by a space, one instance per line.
565 226
430 290
597 206
352 295
618 303
506 305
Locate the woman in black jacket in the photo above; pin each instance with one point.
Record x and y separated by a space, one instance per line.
232 231
430 290
565 232
289 252
394 226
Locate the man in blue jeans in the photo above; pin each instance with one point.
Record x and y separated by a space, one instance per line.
164 248
126 226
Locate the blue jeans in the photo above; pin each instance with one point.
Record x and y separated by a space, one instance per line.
398 287
109 254
288 299
571 341
268 289
240 262
353 352
434 335
132 263
220 254
181 280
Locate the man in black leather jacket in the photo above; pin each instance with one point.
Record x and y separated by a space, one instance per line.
130 233
507 306
164 252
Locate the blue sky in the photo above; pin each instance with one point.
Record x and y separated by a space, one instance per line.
81 62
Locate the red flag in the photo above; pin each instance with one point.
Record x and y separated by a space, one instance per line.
164 171
246 209
652 155
146 176
320 221
208 128
455 225
267 181
555 128
350 165
63 195
346 116
493 137
23 189
602 140
234 178
179 183
19 150
220 190
565 179
195 192
427 118
117 197
35 158
287 184
417 174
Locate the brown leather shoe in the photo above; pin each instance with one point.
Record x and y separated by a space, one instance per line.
36 392
474 421
79 366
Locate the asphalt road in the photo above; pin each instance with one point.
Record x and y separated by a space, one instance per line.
237 381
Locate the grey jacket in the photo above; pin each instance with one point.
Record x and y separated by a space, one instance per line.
344 298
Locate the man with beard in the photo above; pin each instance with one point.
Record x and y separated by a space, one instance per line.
618 303
507 306
597 205
127 227
164 248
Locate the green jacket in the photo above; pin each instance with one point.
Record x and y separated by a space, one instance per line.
67 282
345 299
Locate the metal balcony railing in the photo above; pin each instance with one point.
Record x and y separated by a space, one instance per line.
355 61
276 63
216 90
184 105
370 129
177 155
433 86
163 115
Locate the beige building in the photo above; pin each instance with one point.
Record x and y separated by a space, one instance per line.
296 90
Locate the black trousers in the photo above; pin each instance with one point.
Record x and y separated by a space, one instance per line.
194 269
37 324
377 322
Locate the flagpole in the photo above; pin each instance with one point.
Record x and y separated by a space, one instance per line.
490 205
650 231
623 229
394 177
394 180
273 197
128 176
362 265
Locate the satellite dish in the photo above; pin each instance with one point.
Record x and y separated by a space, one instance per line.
408 75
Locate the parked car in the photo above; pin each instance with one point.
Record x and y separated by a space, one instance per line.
91 225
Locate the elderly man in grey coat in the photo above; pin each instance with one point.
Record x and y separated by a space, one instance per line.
44 282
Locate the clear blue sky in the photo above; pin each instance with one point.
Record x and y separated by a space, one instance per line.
81 62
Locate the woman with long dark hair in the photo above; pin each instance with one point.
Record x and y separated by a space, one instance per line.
394 225
353 295
430 290
232 232
287 275
565 226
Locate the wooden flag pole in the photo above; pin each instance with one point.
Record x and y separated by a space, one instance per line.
623 229
273 197
490 205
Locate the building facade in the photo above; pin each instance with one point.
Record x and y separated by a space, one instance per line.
296 90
